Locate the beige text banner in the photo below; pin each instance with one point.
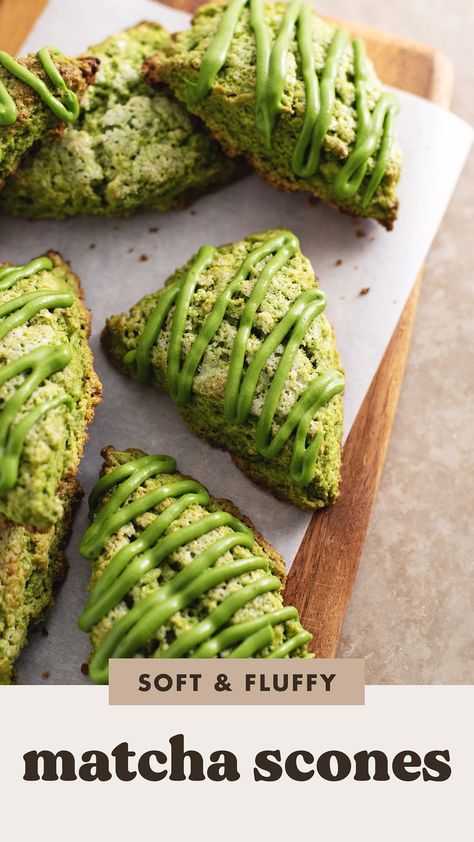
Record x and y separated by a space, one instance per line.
252 681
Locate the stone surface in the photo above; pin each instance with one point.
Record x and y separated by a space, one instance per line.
411 614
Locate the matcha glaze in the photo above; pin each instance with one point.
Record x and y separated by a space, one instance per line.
36 366
240 387
374 129
158 540
66 110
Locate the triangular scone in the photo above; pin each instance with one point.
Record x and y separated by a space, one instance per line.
293 94
177 573
48 388
48 391
131 148
239 339
37 94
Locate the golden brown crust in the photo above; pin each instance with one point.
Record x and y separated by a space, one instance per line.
118 363
78 76
89 66
72 493
151 69
275 180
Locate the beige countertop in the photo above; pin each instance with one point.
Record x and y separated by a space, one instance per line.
411 615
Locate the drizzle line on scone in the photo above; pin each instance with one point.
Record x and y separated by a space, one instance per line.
36 366
150 548
374 129
66 108
240 386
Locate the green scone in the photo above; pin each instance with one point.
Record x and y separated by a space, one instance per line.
132 148
177 573
31 563
239 339
37 94
48 388
294 95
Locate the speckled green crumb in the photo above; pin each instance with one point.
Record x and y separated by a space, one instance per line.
229 110
31 563
204 413
53 446
132 148
185 619
34 118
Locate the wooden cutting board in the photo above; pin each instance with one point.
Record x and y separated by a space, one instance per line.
322 576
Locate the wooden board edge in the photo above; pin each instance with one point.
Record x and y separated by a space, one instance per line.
323 572
17 18
322 576
442 80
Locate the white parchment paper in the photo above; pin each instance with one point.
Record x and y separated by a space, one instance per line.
109 257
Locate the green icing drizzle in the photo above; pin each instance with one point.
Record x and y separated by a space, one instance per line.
374 130
139 626
241 386
216 53
35 366
316 124
65 109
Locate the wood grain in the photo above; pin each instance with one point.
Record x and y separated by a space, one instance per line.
16 20
323 573
322 576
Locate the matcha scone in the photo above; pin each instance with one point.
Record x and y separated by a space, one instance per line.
31 563
38 94
239 339
294 94
177 573
48 388
132 147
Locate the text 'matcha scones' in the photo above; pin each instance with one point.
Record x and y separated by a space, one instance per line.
177 573
295 95
239 339
132 148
